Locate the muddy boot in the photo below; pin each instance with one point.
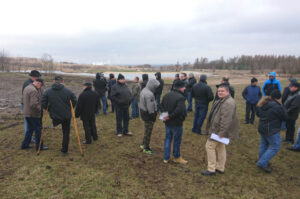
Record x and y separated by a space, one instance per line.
180 160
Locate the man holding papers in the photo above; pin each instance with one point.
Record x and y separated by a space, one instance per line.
222 125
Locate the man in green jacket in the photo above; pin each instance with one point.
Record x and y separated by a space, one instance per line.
223 122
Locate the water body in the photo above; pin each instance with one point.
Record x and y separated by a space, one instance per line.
127 75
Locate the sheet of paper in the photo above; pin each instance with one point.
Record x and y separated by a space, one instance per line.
218 139
162 115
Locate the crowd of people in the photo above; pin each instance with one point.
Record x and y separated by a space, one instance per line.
145 101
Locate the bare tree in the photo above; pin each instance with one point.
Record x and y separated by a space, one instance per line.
47 63
4 61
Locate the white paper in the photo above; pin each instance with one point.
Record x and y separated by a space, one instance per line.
218 139
162 115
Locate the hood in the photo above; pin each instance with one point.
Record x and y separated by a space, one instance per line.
98 76
152 85
272 74
158 75
145 77
57 86
263 101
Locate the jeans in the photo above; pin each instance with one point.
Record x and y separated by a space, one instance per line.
269 146
297 144
90 129
122 115
134 109
250 108
290 130
176 132
199 117
26 126
33 125
190 102
157 99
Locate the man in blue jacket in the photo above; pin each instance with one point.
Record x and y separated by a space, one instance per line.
271 84
252 95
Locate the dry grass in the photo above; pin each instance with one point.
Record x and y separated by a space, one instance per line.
115 168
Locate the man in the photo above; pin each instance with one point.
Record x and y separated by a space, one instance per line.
173 103
223 122
33 75
287 91
121 96
159 89
292 105
225 80
57 99
296 147
183 78
32 112
148 112
135 90
176 78
203 95
100 86
252 95
189 87
86 108
145 79
112 81
271 84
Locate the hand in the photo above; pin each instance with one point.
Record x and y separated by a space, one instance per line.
220 137
166 118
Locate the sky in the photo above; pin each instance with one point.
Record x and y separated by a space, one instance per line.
148 32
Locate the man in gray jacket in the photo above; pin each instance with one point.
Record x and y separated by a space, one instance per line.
148 112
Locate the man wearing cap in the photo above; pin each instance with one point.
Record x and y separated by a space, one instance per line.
191 82
203 96
57 100
223 122
292 105
271 84
251 94
86 108
33 75
173 104
32 112
121 96
176 78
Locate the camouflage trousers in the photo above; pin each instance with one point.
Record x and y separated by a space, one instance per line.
147 134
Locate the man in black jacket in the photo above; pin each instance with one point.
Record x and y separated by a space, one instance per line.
176 78
100 85
121 96
292 105
191 82
173 104
86 108
145 79
57 99
33 75
159 89
203 95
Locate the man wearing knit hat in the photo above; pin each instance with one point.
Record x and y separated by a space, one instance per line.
121 96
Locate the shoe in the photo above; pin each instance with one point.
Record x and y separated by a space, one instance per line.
208 173
119 135
32 141
180 160
293 149
166 161
96 138
220 172
86 142
246 122
29 147
148 151
44 148
142 147
266 169
64 153
128 133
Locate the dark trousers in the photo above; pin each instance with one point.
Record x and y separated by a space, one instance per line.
66 135
199 117
90 129
147 133
290 130
122 116
250 109
33 125
112 106
157 99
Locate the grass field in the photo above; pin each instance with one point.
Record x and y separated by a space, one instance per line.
114 167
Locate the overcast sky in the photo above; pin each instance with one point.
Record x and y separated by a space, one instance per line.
148 31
